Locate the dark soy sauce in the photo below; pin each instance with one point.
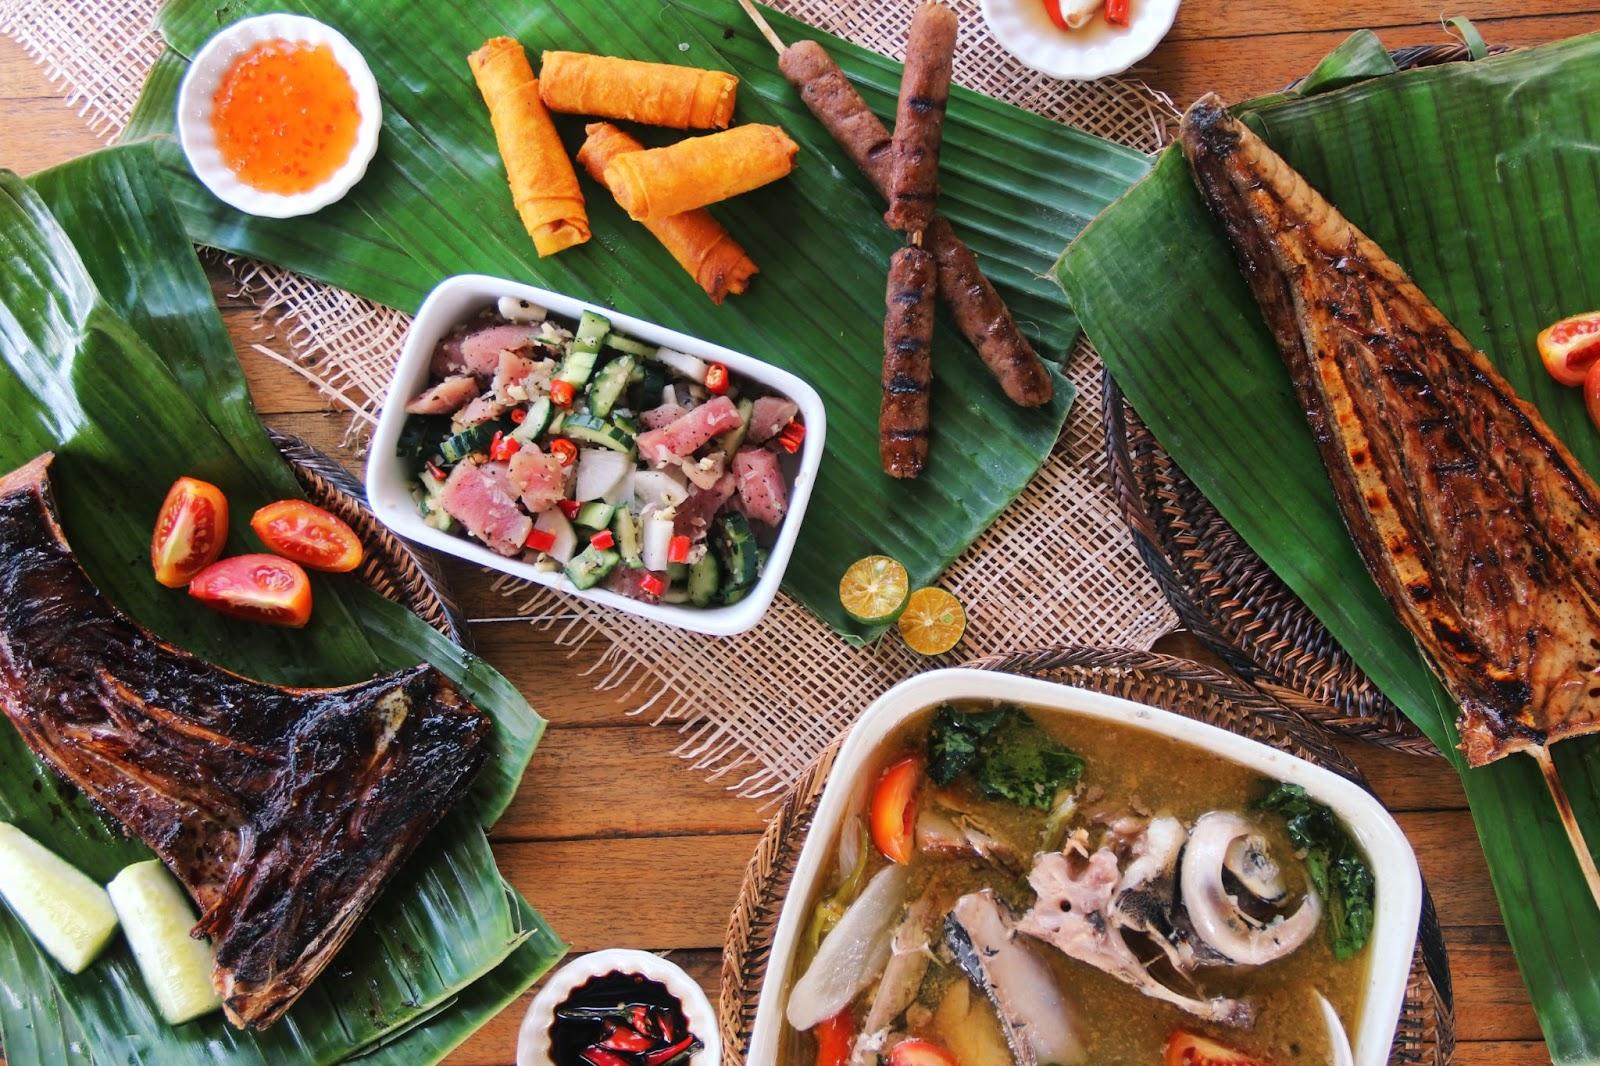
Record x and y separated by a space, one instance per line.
580 1019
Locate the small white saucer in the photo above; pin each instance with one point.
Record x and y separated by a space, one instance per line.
199 140
533 1039
1098 50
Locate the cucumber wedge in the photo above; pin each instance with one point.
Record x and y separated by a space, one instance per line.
608 385
156 917
587 429
68 914
735 545
731 441
704 577
534 423
631 346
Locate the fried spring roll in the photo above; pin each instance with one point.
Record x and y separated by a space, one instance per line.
544 186
919 121
696 240
697 171
980 312
907 363
657 94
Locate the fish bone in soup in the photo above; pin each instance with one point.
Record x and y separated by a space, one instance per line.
1021 887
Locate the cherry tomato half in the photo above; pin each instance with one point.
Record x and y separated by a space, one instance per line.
190 531
309 535
256 588
894 809
1190 1049
1570 347
920 1053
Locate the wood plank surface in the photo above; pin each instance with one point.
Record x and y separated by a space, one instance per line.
616 839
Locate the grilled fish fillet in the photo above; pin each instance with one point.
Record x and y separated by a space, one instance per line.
1478 525
282 811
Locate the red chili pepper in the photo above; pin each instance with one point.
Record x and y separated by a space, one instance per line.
653 585
541 540
793 435
519 415
599 1056
667 1054
502 448
717 379
603 540
570 508
1117 12
678 549
639 1017
618 1037
662 1016
1053 9
565 450
435 471
561 393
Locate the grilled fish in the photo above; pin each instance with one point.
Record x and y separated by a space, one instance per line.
282 811
1479 526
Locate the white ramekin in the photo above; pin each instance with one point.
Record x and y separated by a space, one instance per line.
1099 50
1396 908
533 1039
199 140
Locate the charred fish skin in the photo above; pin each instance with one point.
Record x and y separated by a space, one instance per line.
282 811
1478 525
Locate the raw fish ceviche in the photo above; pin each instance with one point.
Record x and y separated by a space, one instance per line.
642 470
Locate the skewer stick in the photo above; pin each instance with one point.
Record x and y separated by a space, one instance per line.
1569 821
761 24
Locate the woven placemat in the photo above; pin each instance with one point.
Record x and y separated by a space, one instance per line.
1426 1032
756 709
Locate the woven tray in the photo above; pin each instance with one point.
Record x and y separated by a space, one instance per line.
1221 589
391 568
1426 1033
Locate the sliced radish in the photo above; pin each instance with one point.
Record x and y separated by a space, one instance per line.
599 472
555 523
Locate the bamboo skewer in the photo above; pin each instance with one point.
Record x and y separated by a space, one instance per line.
1569 821
761 24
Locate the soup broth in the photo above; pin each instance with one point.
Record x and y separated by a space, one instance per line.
1128 777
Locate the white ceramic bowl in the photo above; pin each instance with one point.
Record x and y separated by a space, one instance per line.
1097 51
200 88
457 299
533 1039
1399 885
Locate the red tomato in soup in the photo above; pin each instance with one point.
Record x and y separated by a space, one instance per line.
834 1038
894 809
1190 1049
190 531
309 535
256 588
920 1053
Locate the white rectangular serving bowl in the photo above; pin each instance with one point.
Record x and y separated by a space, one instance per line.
1399 884
389 484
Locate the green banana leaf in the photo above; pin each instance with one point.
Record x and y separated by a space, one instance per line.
434 202
1481 180
112 354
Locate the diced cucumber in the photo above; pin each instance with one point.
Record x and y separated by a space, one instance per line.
536 422
647 393
704 577
576 367
626 423
440 519
626 529
677 573
596 515
472 439
421 436
558 422
156 918
731 441
736 547
588 429
68 914
608 385
592 329
684 365
591 566
555 523
730 596
627 344
675 595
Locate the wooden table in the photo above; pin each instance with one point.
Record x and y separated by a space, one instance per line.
617 841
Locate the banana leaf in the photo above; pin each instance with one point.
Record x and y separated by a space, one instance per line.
1481 180
112 354
434 202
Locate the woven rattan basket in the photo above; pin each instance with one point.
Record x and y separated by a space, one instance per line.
1426 1033
1221 589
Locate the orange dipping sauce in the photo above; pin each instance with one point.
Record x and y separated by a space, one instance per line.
285 116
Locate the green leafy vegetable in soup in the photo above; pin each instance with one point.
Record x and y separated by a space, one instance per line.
1008 755
1334 866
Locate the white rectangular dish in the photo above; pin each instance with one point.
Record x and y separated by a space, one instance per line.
455 300
1397 903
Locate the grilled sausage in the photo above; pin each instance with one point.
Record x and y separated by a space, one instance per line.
919 121
907 363
979 311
